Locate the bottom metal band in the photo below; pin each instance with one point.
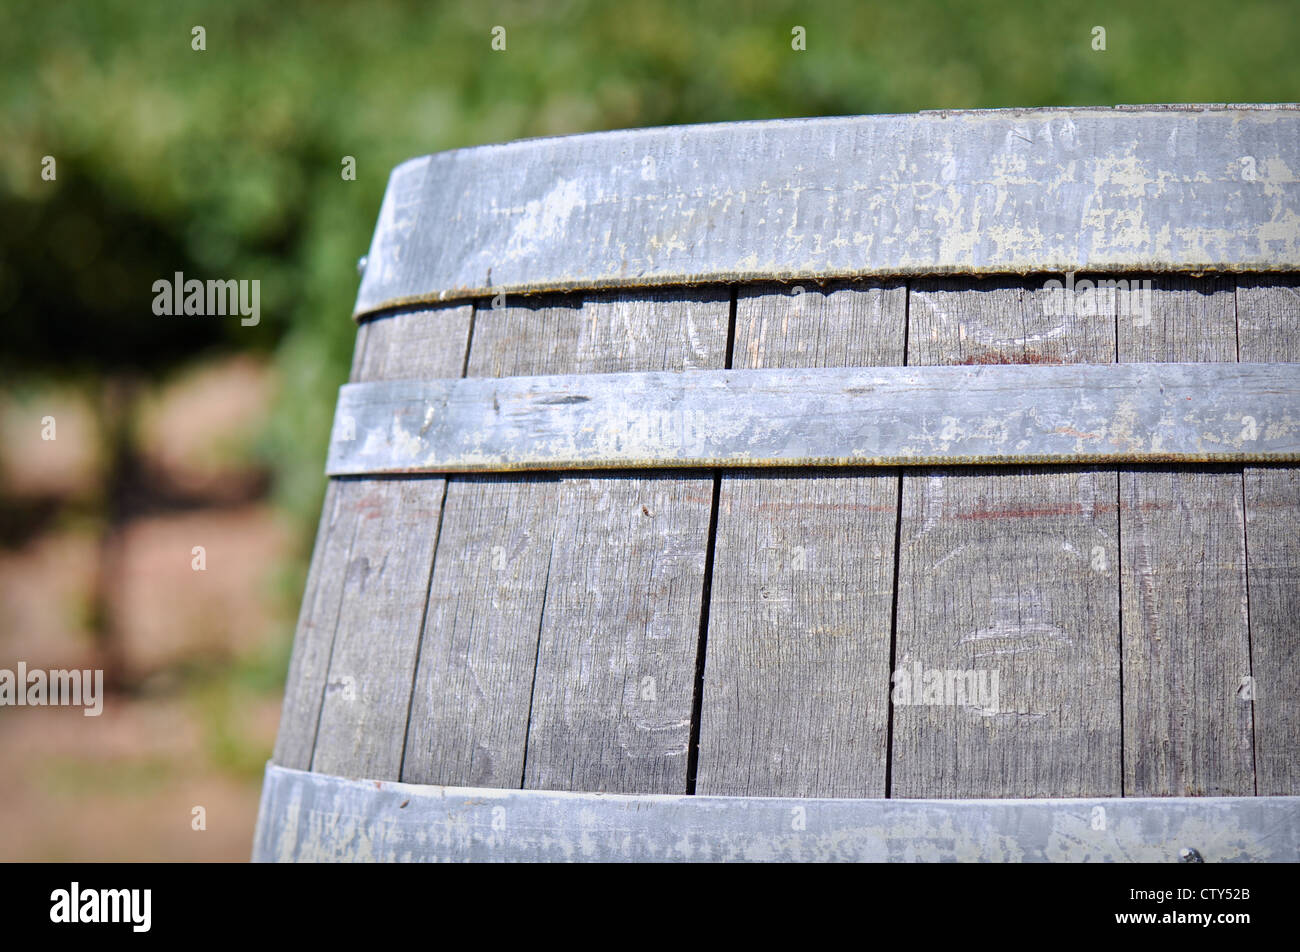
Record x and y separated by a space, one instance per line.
315 817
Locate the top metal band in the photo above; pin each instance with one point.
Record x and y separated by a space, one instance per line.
999 191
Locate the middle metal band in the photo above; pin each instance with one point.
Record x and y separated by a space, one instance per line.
880 416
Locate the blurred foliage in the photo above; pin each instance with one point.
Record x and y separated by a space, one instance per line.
71 777
226 163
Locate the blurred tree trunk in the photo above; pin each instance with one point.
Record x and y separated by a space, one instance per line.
116 410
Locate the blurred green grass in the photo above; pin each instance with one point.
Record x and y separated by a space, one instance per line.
226 162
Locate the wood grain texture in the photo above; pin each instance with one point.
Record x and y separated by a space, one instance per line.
796 669
469 712
616 666
1185 629
385 579
314 637
1006 573
581 587
318 617
1268 328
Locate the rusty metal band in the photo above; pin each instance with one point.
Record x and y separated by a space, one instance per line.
312 817
1154 189
877 416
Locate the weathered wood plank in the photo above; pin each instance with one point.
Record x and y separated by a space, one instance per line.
1268 328
469 712
317 619
1273 563
794 696
1007 574
616 666
1185 634
383 587
589 586
314 637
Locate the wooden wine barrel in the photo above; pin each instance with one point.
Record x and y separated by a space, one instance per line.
899 487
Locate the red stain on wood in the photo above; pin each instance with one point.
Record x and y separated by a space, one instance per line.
993 357
819 507
371 506
1065 509
1027 512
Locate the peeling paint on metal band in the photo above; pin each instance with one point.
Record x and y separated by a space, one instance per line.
876 416
312 817
1150 189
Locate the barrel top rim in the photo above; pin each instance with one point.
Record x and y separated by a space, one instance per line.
1124 189
703 127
